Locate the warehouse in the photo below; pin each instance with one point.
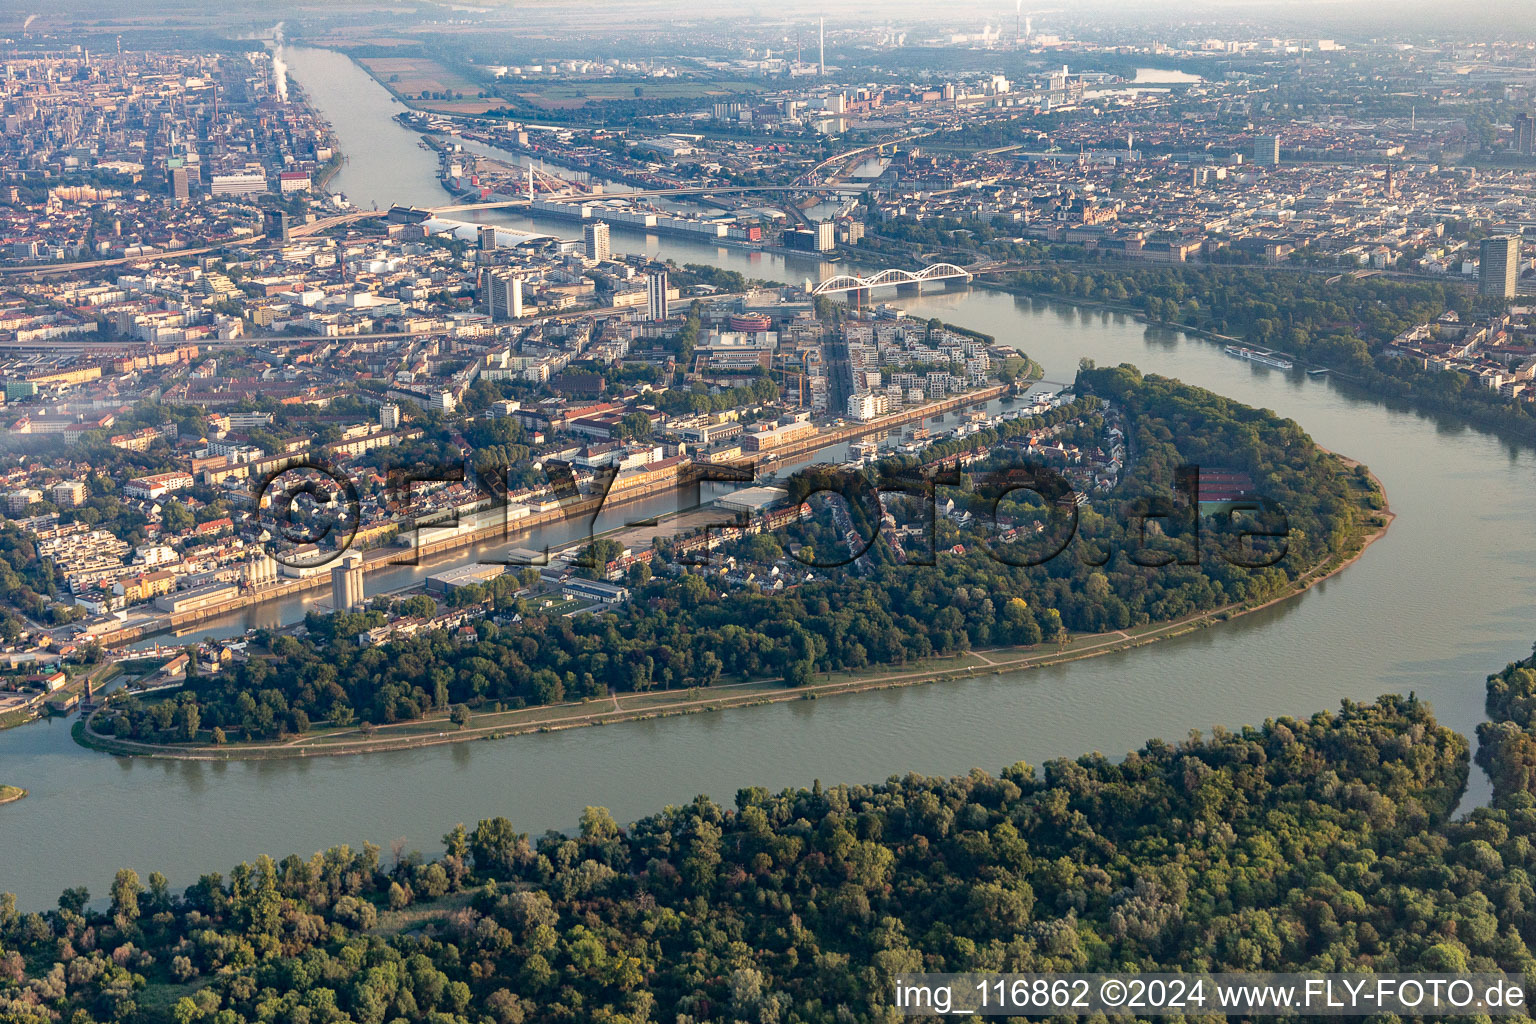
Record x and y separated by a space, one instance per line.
473 574
752 500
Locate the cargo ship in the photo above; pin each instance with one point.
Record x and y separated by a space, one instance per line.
1263 358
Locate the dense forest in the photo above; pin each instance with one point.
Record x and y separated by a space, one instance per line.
883 613
1318 844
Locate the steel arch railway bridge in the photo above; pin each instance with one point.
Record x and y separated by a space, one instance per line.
894 276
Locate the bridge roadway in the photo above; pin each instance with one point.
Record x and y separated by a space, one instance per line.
646 194
325 223
895 276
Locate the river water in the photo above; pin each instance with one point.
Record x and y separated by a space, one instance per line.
1444 599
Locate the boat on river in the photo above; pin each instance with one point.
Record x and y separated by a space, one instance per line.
1263 358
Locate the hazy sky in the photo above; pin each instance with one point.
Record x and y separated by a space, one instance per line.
1508 19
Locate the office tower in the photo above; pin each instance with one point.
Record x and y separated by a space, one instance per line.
1499 266
501 293
389 416
596 234
487 237
275 225
826 236
1525 135
180 188
656 294
1266 151
346 585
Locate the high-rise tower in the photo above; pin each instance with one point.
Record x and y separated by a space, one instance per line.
1525 134
656 293
596 237
1499 266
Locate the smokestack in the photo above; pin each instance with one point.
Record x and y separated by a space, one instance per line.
823 36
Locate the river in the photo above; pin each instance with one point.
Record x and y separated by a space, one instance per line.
1444 599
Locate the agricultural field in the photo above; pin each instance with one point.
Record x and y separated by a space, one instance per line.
566 94
446 90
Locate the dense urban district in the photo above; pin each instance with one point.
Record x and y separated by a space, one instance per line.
228 385
196 330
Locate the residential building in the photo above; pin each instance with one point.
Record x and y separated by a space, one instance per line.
656 294
826 236
1266 151
16 502
596 236
68 493
501 293
157 486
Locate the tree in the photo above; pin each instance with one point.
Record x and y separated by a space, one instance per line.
459 716
75 900
175 518
636 425
598 826
188 719
497 848
125 898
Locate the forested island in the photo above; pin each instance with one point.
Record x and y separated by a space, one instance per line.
10 794
882 612
1319 844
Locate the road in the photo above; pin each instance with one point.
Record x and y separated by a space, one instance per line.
648 194
299 231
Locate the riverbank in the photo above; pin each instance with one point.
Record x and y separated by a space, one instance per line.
1509 421
1440 604
615 708
60 701
10 794
444 551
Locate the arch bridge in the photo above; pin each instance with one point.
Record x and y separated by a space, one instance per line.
893 276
